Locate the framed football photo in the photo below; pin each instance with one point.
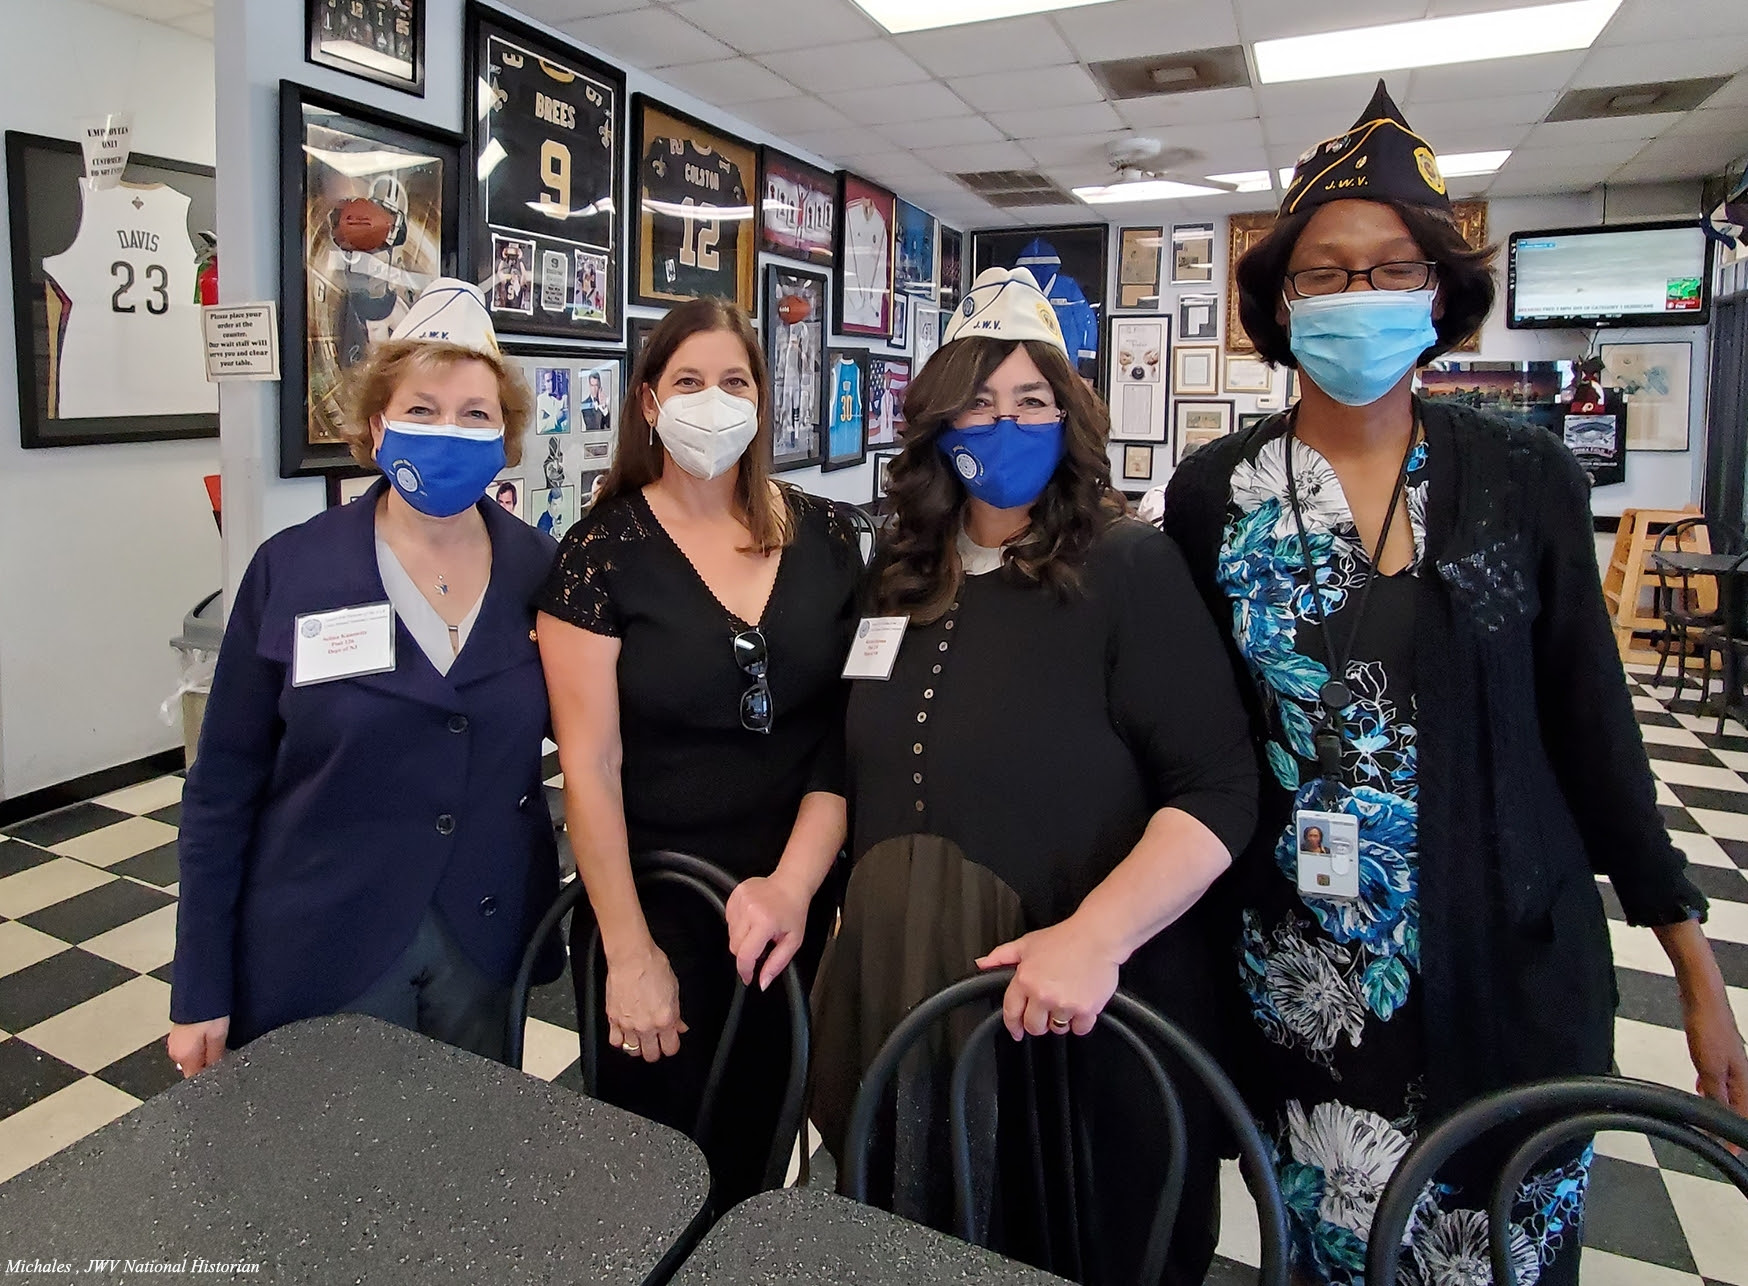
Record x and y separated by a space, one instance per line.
915 273
798 208
547 121
577 394
866 245
369 219
795 348
380 40
693 233
846 439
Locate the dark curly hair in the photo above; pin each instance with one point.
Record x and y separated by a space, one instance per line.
919 573
1465 280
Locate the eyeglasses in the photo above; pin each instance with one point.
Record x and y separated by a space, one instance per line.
982 417
1406 275
754 659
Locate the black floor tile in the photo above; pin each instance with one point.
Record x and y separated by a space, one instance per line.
50 986
27 1075
1679 819
170 814
555 1003
1732 962
104 908
549 766
1229 1272
1648 998
1728 741
158 866
143 1073
1685 754
1717 882
165 972
16 856
1719 801
1738 851
1628 1212
64 823
1673 1157
1611 902
1651 719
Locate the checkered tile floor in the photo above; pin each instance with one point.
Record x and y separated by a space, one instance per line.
87 929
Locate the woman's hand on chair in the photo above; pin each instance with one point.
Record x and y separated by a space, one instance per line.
193 1047
1064 977
643 1004
765 912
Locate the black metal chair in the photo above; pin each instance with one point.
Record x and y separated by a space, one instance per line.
1559 1112
1145 1032
867 533
1678 605
713 885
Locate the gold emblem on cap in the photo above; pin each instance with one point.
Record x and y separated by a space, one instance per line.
1428 164
1048 315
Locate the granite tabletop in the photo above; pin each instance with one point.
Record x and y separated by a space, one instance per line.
804 1237
346 1150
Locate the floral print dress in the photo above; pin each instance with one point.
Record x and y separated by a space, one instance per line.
1333 985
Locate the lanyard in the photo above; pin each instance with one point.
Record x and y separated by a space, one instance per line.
1335 696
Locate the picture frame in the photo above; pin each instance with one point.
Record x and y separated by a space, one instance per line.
901 308
1139 377
952 255
915 269
1196 423
862 293
344 488
509 491
345 38
578 396
1077 290
1137 463
1195 370
693 232
1192 254
1139 252
337 298
1242 232
927 338
47 207
1198 319
882 463
798 207
888 378
545 187
1471 219
1250 419
1656 380
636 333
795 346
1244 373
846 433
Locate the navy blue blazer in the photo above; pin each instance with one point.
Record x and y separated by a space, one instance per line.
319 823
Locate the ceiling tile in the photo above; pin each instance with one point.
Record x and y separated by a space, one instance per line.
1609 129
1068 149
1704 152
773 25
1735 94
1575 156
1647 21
863 64
795 114
941 132
561 11
903 103
1547 180
648 38
1714 120
1721 55
1430 118
1309 111
166 11
839 144
1536 73
1205 107
1066 86
1213 140
898 168
977 156
1092 118
729 81
1012 44
1271 19
1136 28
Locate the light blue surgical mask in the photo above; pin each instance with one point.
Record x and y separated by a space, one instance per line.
1006 464
1357 346
440 469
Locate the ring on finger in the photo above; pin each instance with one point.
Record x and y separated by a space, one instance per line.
631 1047
1058 1023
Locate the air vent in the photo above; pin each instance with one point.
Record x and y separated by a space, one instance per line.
1014 189
1182 73
1636 100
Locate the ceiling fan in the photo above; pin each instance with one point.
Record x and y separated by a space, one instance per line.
1148 160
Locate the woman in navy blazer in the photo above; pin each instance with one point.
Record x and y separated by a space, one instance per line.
379 842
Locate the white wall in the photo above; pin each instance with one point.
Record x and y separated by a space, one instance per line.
102 548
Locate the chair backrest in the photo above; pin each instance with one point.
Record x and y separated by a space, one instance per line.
1145 1033
1679 589
867 534
713 885
1556 1112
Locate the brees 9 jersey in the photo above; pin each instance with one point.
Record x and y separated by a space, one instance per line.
555 130
693 251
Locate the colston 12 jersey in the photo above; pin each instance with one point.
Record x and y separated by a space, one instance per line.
694 249
555 128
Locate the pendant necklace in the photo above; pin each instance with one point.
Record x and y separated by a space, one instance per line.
442 584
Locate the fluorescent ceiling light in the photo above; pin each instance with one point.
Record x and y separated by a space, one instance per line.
921 15
1145 190
1434 42
1248 181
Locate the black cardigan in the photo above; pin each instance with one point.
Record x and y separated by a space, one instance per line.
1533 775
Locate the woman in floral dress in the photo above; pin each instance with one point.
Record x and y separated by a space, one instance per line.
1412 590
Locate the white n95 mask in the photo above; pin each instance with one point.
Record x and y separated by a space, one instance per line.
708 431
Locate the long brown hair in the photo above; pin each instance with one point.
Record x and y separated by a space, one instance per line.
638 458
921 573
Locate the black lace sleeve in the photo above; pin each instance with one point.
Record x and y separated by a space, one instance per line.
579 590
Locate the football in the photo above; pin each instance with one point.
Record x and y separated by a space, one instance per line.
362 224
793 309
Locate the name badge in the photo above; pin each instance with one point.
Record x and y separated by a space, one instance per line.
1329 854
343 644
875 648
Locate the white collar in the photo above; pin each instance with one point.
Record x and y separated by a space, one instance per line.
977 560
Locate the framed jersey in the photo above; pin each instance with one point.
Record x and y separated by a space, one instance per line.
548 122
693 232
914 273
370 217
846 417
795 349
104 298
380 40
1070 266
866 250
797 208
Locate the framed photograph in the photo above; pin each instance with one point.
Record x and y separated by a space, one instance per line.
344 488
368 219
1198 319
1195 370
1471 217
1250 419
1140 377
882 465
927 338
510 493
1138 258
866 241
577 395
1246 374
1655 379
1242 232
108 330
1070 262
1137 464
1192 254
547 120
846 441
693 233
1199 423
888 378
798 209
915 274
795 348
901 310
952 266
382 41
635 333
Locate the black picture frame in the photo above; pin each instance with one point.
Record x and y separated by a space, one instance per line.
882 462
592 246
636 335
1085 251
880 202
796 354
952 252
916 258
46 213
818 193
1132 452
322 22
838 412
308 396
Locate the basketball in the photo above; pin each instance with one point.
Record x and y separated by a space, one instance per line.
793 309
362 224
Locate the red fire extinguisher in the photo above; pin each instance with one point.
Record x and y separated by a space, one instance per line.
206 277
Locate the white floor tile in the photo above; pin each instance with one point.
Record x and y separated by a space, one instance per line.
1636 948
546 1049
1734 759
1240 1235
1626 1147
46 885
1703 850
143 944
22 946
113 1025
1715 1218
1723 825
1680 774
147 797
50 1124
1650 705
1599 1268
1670 736
112 844
1700 722
1728 921
1665 795
1653 1053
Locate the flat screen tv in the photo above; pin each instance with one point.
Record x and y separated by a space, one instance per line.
1631 274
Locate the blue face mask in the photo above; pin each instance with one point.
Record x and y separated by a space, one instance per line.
440 469
1006 464
1357 346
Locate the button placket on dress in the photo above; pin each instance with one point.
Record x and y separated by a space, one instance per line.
918 748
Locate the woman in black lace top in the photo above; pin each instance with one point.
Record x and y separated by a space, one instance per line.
693 632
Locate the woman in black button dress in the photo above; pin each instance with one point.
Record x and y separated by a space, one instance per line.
692 576
1053 775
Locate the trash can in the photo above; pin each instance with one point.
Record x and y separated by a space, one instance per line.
203 630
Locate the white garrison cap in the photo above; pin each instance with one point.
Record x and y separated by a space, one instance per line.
1005 303
450 311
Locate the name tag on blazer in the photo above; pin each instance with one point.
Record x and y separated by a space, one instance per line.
342 644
